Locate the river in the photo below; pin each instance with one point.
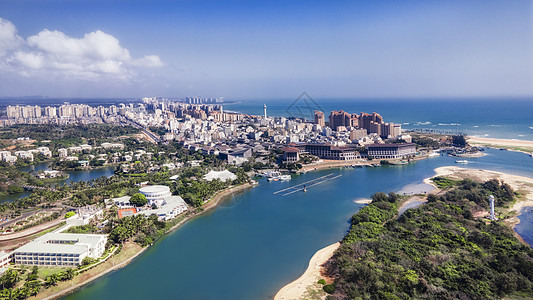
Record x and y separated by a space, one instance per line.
256 242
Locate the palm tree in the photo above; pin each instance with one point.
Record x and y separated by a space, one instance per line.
69 273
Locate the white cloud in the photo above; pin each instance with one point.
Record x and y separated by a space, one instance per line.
8 37
53 53
29 59
149 61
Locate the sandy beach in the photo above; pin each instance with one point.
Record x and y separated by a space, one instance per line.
515 145
307 285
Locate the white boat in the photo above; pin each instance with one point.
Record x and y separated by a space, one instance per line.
461 161
285 177
273 174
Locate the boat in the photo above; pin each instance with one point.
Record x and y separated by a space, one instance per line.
461 161
285 177
305 189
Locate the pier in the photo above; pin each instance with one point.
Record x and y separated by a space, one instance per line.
306 185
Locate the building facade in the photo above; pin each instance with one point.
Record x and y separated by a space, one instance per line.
60 249
391 151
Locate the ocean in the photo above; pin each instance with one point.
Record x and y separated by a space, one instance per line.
492 118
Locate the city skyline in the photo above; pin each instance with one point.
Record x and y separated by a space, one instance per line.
242 50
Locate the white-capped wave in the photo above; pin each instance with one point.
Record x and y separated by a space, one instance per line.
495 125
530 127
475 126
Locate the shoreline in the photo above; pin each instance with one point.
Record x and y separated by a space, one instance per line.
522 146
297 288
309 279
521 184
213 202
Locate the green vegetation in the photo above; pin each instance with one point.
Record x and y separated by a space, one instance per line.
459 141
69 214
138 199
82 229
437 251
12 287
322 281
444 182
426 142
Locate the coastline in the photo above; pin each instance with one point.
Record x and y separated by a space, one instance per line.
213 202
512 145
298 288
521 184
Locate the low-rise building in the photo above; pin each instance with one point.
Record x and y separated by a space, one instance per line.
391 151
60 249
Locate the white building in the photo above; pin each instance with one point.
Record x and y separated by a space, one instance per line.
155 193
168 206
222 175
60 249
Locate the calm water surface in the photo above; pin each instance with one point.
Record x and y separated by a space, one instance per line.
75 176
256 242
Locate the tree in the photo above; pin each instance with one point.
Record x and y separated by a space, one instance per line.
138 199
51 280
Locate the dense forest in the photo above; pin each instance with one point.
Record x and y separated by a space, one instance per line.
436 251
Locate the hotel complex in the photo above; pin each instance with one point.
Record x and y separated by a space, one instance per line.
60 249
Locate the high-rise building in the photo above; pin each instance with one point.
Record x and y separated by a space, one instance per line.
319 118
339 118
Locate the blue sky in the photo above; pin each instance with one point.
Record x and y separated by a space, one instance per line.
266 49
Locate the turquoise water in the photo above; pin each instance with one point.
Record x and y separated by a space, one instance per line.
256 242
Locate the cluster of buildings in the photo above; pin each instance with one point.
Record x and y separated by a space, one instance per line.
202 124
24 154
64 114
161 202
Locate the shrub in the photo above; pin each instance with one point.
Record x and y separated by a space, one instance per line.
329 288
69 214
322 282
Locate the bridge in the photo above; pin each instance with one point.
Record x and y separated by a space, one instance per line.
32 187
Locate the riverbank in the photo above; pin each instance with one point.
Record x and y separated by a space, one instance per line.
307 286
130 251
514 145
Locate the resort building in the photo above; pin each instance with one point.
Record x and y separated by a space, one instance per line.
168 206
60 249
291 154
167 209
391 151
5 259
324 151
155 193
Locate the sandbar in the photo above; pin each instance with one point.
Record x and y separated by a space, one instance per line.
301 286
